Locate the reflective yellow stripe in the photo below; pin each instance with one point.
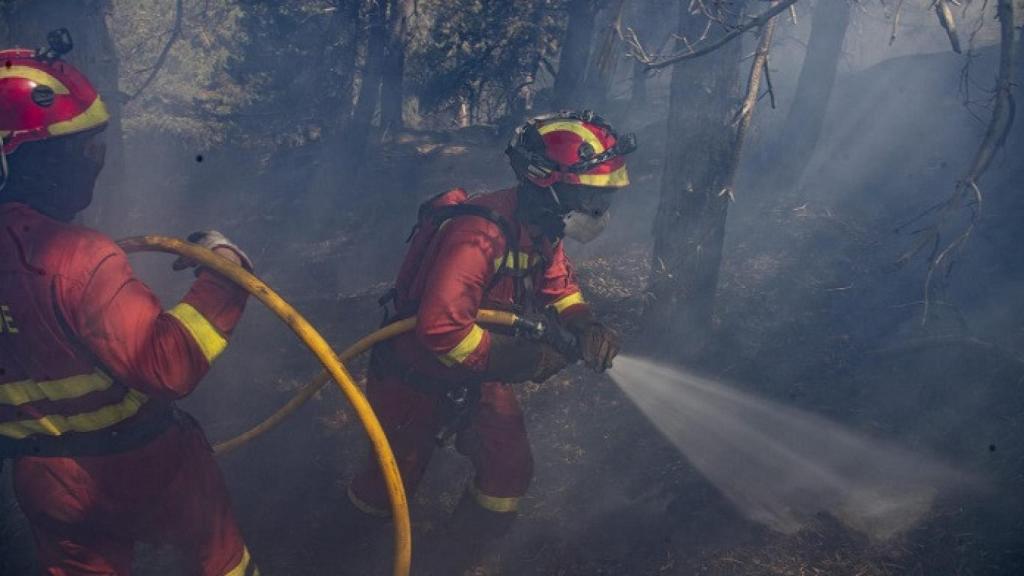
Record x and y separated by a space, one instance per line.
571 300
494 503
243 567
365 507
35 75
206 336
577 129
617 179
514 261
95 115
25 391
463 349
58 425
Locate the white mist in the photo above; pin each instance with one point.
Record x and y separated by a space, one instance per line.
778 465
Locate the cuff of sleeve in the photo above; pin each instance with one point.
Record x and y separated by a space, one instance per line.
218 299
470 352
570 305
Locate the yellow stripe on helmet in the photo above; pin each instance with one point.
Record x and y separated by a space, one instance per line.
95 115
617 179
577 129
35 75
210 341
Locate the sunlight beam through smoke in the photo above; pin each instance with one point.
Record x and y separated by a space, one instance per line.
780 466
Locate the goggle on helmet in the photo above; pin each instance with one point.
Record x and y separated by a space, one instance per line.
571 147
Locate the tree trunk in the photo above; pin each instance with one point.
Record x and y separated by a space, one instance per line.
572 64
605 58
520 100
369 90
689 228
335 162
346 25
392 92
653 26
802 129
27 24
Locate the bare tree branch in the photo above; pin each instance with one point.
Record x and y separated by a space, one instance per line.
948 22
175 33
967 193
896 22
756 22
768 83
746 112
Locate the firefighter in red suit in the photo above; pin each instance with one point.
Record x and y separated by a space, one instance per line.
506 253
90 364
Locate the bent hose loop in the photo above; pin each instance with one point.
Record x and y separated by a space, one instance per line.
332 364
494 317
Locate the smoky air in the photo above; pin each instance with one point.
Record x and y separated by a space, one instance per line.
792 344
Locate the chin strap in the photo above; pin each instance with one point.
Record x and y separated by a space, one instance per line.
542 208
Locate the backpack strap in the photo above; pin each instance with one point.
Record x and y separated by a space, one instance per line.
442 214
455 210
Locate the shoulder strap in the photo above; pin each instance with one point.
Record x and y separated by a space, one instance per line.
510 233
442 214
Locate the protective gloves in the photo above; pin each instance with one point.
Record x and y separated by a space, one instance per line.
516 360
598 343
212 240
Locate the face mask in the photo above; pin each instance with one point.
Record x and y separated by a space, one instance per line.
584 227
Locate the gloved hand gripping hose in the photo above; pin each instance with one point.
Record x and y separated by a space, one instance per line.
316 343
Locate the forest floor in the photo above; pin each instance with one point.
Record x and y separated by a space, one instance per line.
610 496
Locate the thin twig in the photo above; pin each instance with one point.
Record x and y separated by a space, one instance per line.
768 83
175 33
757 22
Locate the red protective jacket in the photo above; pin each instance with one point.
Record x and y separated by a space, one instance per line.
462 272
89 361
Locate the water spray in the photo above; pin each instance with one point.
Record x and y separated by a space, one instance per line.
781 466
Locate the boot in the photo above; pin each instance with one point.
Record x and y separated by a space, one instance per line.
470 534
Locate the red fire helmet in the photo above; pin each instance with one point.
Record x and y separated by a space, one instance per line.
44 98
571 147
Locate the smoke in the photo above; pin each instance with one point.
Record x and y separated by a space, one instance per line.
781 466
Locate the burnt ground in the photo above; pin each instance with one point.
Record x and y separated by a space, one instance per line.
810 312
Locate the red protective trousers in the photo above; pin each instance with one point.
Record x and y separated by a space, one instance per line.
86 513
495 443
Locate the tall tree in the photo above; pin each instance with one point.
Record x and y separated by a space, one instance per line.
572 64
605 57
689 228
373 65
27 24
802 129
400 12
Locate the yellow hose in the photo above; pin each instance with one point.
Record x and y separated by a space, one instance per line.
495 317
316 343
